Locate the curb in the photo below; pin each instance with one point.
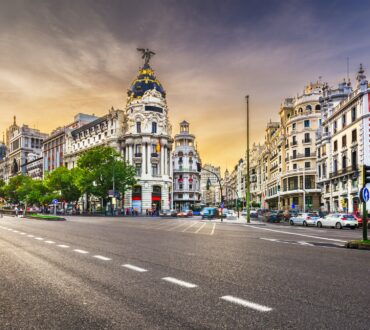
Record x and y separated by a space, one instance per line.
355 245
35 218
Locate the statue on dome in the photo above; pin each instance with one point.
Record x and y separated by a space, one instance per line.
147 54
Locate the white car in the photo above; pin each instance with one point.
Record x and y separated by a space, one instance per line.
338 220
304 219
231 215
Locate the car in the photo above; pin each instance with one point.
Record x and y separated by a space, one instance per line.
230 215
209 213
273 216
304 219
185 214
167 213
338 220
252 213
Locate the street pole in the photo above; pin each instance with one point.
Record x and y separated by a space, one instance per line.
364 210
304 189
248 175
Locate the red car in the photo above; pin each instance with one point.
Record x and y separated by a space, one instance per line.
359 219
185 214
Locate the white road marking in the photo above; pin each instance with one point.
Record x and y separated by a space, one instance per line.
30 236
213 229
80 251
193 224
16 231
269 239
305 243
50 242
63 246
179 282
23 233
39 238
197 231
177 226
297 234
135 268
102 258
246 303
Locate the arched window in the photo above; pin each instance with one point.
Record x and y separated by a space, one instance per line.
317 107
308 108
300 110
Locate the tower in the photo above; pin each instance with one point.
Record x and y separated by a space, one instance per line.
146 142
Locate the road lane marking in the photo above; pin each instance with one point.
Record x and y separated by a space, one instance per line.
177 226
179 282
213 229
193 224
39 238
135 268
102 258
30 236
297 234
197 231
63 246
246 303
80 251
50 242
16 231
23 233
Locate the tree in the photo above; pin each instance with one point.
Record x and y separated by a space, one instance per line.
62 184
14 191
99 168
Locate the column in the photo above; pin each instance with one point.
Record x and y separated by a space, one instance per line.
143 163
148 161
130 153
162 161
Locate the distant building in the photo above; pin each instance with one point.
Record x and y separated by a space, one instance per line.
186 178
212 195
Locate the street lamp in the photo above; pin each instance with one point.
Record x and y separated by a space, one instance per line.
248 175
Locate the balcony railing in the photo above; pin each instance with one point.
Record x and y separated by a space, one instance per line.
293 143
297 156
342 171
154 154
307 140
138 154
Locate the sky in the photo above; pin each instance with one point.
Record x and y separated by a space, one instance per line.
59 58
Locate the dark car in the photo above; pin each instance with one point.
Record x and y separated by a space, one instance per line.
273 216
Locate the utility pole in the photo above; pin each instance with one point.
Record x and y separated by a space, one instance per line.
364 199
248 174
304 189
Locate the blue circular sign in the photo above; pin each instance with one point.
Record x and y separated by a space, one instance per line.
55 201
365 194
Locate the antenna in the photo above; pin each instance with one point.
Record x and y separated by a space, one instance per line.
347 68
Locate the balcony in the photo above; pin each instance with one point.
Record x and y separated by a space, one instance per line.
343 171
293 143
306 141
298 156
154 154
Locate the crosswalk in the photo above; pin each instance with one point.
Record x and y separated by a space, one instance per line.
176 225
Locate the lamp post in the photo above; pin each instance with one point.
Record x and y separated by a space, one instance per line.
248 175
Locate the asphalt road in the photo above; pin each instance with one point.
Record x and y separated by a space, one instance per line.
149 273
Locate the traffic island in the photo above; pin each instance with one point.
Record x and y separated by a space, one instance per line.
359 244
44 217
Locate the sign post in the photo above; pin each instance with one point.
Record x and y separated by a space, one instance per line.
364 197
55 202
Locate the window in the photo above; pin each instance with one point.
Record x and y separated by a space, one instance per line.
294 125
344 121
317 107
344 141
344 161
354 159
307 164
354 135
138 169
181 186
335 165
190 186
353 114
335 145
154 127
138 127
294 166
335 127
306 123
307 152
294 154
307 137
155 169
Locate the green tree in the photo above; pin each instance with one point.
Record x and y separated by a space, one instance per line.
13 191
61 184
99 167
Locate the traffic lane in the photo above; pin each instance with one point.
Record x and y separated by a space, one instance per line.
224 267
221 311
165 304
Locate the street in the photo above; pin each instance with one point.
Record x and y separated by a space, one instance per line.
150 273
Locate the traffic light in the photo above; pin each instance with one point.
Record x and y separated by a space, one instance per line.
199 167
208 183
366 174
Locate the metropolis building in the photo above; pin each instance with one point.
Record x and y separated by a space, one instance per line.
186 186
146 142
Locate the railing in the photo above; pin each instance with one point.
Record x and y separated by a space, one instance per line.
297 156
138 154
293 143
343 171
154 154
307 140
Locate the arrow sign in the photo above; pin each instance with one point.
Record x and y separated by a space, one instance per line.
55 201
364 194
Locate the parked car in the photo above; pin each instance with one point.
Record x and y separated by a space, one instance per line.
304 219
230 215
167 213
209 213
338 220
253 213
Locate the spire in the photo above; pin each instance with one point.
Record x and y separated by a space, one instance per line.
14 120
361 78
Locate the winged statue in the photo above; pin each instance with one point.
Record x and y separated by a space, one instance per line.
146 54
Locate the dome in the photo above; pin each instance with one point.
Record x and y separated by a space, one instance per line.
145 81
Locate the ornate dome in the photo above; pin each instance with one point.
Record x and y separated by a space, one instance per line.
145 81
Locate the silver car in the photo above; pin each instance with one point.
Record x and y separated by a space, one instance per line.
304 219
338 220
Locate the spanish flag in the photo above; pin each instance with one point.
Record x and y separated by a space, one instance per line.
158 147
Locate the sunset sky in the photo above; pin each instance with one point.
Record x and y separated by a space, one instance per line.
58 58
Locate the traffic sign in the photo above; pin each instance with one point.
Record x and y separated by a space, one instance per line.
364 194
55 201
222 205
293 206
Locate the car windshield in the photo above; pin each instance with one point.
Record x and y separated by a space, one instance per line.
312 215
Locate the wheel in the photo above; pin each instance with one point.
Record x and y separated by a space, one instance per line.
291 223
305 224
319 224
353 227
338 225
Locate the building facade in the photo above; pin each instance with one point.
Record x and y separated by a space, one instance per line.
186 178
343 144
209 185
146 143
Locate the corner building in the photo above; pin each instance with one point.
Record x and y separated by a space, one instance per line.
147 143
